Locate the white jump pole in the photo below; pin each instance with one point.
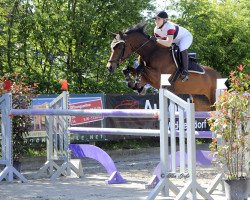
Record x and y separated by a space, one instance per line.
166 117
115 131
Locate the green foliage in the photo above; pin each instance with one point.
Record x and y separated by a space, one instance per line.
35 153
221 31
138 143
231 124
49 40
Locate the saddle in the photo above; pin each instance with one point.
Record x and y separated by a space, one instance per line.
193 66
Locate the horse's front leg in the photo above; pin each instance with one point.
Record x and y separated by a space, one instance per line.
140 85
138 74
136 82
127 73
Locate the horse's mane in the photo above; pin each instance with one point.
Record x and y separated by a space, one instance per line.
137 28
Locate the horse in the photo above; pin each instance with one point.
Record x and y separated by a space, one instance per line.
158 60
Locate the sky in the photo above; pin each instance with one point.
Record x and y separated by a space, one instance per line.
159 4
162 4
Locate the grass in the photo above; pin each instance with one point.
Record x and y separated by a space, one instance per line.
142 142
35 152
135 143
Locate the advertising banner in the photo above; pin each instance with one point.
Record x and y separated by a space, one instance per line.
132 101
83 101
100 101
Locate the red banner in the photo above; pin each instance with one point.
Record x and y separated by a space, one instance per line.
95 104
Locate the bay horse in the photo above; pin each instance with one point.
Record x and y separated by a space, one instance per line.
158 60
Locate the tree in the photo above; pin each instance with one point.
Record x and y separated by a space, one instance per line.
221 31
49 40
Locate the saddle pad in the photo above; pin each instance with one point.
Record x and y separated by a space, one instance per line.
194 67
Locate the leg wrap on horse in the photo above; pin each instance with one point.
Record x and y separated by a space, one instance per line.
126 70
139 69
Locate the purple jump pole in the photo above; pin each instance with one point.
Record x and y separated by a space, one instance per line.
90 151
203 115
141 113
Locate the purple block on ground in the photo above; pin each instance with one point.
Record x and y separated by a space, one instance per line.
96 153
203 158
115 178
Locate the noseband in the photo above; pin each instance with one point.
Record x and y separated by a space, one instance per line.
119 59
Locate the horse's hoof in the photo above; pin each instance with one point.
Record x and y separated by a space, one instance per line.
131 85
127 78
142 91
125 71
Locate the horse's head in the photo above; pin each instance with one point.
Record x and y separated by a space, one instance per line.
119 52
124 44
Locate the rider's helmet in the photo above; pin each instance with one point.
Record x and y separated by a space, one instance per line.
162 14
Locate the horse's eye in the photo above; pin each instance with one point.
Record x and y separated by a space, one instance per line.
118 47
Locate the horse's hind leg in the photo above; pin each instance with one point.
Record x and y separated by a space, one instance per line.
201 103
212 99
211 95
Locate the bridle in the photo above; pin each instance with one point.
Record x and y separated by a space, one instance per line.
119 59
121 56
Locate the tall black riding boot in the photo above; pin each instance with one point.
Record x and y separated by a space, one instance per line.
184 59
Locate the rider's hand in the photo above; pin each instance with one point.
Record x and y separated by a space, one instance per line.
153 38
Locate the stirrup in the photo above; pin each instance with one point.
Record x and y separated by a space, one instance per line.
184 77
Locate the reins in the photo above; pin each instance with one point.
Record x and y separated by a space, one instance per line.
139 47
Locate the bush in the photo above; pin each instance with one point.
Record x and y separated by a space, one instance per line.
21 99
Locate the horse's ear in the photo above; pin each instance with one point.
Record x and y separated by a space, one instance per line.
120 34
144 24
111 33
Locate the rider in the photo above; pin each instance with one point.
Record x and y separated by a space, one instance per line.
167 33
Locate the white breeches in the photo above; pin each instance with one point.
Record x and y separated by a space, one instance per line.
185 42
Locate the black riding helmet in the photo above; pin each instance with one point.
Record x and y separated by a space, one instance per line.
161 14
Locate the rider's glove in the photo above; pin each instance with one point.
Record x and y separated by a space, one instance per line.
153 38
